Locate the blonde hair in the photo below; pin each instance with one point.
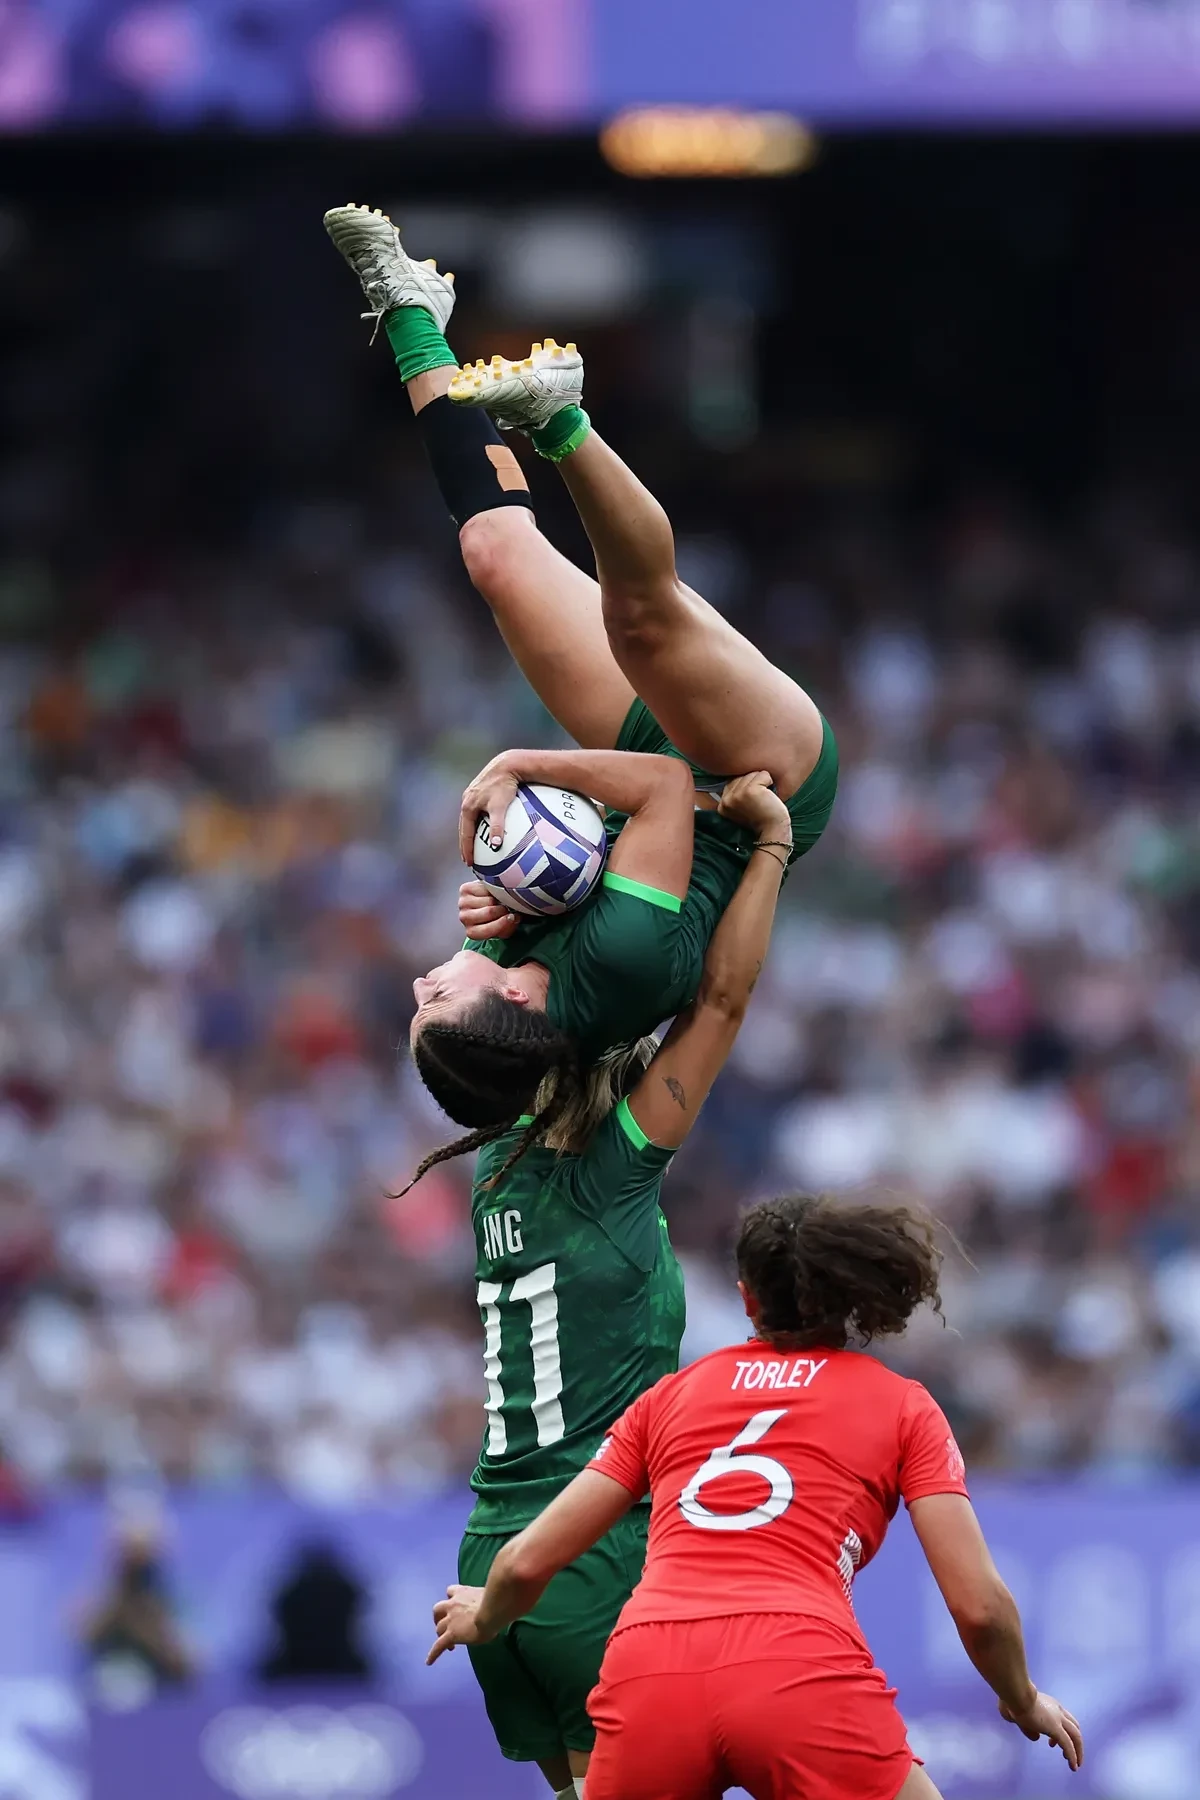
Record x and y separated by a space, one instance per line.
602 1087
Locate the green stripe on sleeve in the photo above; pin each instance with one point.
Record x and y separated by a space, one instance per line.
630 1126
524 1120
640 891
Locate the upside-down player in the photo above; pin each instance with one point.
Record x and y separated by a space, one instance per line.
633 662
583 1310
774 1468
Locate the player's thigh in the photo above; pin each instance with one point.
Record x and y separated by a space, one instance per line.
563 1640
550 617
810 805
717 697
522 1717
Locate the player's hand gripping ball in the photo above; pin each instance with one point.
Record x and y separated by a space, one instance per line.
536 849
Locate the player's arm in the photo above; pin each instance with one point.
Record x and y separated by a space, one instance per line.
654 848
524 1568
668 1098
986 1617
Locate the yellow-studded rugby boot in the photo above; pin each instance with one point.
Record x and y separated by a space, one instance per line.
523 395
389 276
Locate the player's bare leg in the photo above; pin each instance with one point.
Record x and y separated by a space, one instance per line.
548 611
549 615
715 695
562 1772
429 386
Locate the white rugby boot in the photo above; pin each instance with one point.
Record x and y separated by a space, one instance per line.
525 394
389 276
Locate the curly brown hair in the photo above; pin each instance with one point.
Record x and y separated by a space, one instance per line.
826 1272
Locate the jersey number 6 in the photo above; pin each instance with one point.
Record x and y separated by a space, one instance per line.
729 1460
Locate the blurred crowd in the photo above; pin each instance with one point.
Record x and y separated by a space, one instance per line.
227 843
243 680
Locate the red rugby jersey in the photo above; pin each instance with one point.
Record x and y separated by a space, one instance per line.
773 1479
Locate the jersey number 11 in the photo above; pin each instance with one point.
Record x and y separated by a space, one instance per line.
534 1291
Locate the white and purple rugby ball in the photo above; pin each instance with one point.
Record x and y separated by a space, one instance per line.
552 855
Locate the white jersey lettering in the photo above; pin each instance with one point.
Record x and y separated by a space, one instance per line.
538 1289
502 1235
488 1293
798 1374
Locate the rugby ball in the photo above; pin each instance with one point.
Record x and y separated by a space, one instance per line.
552 854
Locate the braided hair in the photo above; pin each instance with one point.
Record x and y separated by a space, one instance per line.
824 1271
491 1065
568 1105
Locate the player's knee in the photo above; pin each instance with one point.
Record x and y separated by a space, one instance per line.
642 620
491 545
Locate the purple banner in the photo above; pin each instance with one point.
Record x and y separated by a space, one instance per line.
878 62
1109 1586
306 1745
350 65
343 65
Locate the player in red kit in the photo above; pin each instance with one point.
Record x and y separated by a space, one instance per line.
774 1468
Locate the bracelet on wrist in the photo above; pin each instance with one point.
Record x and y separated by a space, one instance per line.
775 844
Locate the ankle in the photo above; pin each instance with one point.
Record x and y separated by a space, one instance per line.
429 386
418 346
562 434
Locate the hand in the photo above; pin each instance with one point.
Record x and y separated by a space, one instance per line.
455 1620
752 801
489 796
481 915
1047 1718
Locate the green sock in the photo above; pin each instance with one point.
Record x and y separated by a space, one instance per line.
561 434
417 344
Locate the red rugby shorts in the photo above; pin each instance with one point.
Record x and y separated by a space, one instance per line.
783 1706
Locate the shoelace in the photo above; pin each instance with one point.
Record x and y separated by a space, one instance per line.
377 275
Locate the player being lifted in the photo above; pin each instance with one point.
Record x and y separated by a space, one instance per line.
582 1302
774 1468
632 662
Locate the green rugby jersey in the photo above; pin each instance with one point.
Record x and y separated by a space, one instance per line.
582 1303
631 956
